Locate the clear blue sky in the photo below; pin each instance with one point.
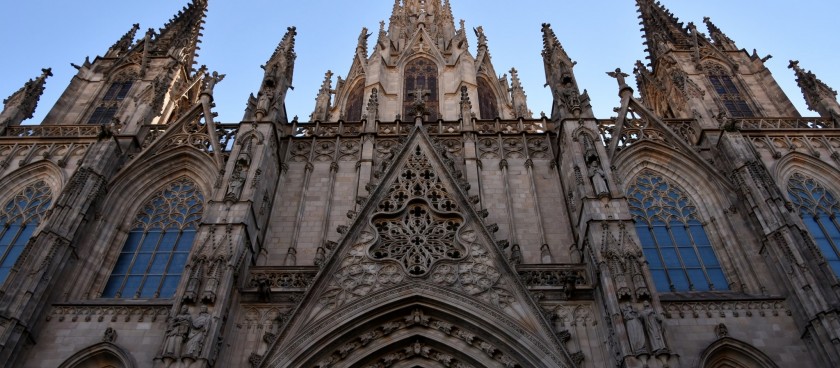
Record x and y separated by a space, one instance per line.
240 35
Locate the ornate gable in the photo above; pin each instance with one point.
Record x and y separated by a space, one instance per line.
418 235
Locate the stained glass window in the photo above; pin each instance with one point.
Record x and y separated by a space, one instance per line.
819 209
421 77
355 103
487 100
19 218
156 251
729 94
673 239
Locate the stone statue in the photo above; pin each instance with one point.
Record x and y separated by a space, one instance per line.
176 333
619 76
635 329
653 326
264 101
598 177
479 34
199 329
212 80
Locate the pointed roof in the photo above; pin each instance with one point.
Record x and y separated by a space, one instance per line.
26 98
183 31
663 30
813 89
416 261
720 39
124 43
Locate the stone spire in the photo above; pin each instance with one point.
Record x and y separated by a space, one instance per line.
559 76
720 39
269 103
124 43
322 101
181 35
21 104
517 96
819 96
663 31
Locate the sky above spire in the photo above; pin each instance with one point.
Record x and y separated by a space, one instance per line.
240 36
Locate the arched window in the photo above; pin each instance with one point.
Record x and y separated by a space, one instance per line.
420 85
154 255
674 242
355 103
116 92
728 92
487 100
819 209
19 218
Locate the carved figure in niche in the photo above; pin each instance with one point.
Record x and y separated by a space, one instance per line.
653 326
110 335
635 329
194 282
176 333
264 100
599 180
515 255
199 328
237 179
386 160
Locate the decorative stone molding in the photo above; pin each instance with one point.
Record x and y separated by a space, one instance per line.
724 309
108 313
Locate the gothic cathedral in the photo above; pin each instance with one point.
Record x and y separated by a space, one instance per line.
422 217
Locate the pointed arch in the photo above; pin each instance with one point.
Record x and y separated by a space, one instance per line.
488 103
104 354
732 353
420 82
442 320
354 104
20 215
673 236
155 253
730 95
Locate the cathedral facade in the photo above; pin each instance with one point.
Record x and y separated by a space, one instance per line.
422 216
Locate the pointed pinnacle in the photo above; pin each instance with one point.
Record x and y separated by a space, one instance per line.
127 39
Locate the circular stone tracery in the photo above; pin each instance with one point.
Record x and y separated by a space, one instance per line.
417 237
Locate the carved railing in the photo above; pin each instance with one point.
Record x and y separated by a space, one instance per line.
553 276
327 129
76 131
785 123
226 133
511 126
685 129
398 127
636 130
284 278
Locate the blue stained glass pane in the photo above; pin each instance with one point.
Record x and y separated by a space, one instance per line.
176 266
169 239
660 278
141 263
670 257
123 263
150 242
718 279
113 286
678 279
186 240
652 256
645 237
707 254
831 229
662 236
159 264
835 266
12 256
170 283
133 241
25 233
132 283
698 279
698 234
814 229
150 287
680 235
9 235
829 253
689 258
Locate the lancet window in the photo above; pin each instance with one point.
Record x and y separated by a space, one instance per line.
487 104
20 216
420 95
730 95
155 253
819 210
673 238
104 113
355 103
